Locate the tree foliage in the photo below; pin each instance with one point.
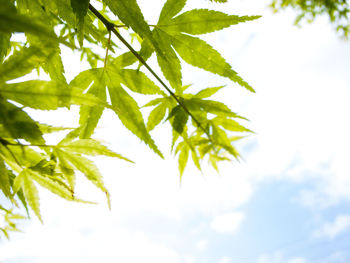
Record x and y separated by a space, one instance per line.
338 11
201 128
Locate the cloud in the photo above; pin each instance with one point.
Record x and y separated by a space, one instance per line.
106 245
225 260
202 244
332 229
227 223
279 258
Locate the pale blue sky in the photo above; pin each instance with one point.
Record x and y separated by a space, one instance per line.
287 203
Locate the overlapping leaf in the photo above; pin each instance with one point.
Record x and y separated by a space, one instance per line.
89 147
123 104
18 123
80 8
47 95
170 33
130 115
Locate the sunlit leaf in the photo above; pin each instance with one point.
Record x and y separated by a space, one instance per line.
156 116
170 9
183 159
90 147
130 115
202 21
85 166
205 93
168 60
200 54
31 193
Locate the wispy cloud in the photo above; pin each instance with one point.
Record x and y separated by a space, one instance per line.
332 229
279 258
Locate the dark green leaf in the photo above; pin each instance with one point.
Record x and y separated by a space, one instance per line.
4 45
180 118
18 123
80 8
4 179
21 63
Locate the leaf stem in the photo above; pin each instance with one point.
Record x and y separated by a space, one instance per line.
109 42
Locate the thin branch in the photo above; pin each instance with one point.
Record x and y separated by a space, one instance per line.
110 27
6 142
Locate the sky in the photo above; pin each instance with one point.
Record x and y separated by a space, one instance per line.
287 202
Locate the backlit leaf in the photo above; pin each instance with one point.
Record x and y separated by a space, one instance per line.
4 179
90 147
130 115
130 14
230 124
89 116
170 9
85 166
31 193
168 60
198 53
205 93
201 21
156 116
183 159
135 80
54 186
21 63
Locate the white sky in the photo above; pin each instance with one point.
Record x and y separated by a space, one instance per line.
299 113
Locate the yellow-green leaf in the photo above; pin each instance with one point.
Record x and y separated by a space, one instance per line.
135 80
130 115
198 53
89 147
31 194
85 166
202 21
183 158
168 60
205 93
170 9
156 116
